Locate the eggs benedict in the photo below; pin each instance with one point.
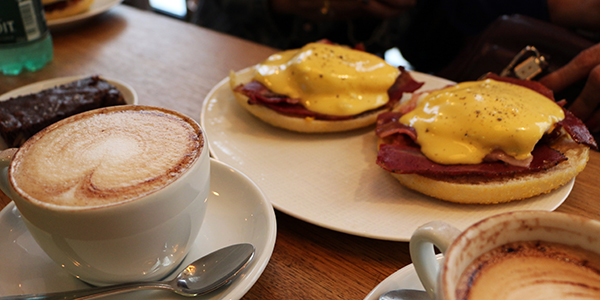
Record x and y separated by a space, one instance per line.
489 141
322 87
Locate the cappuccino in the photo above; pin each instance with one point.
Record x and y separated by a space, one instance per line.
532 270
106 156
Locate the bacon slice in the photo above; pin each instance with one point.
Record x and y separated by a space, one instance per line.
577 130
404 84
500 155
258 94
405 159
388 124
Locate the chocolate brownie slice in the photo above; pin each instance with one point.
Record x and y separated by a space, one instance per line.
23 116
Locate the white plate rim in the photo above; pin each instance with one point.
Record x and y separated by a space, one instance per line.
97 7
247 279
223 85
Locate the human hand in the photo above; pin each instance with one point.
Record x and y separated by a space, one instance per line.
587 104
341 9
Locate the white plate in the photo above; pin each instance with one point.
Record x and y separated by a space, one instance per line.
97 7
332 180
128 92
405 278
238 212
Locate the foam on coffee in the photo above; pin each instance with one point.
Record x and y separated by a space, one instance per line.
532 270
106 156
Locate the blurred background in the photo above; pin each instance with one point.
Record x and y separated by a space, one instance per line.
184 10
179 9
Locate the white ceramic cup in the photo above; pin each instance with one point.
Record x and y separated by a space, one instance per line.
459 249
143 239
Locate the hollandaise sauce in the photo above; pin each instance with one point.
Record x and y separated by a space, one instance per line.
463 123
329 79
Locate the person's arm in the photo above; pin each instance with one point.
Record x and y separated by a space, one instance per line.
587 104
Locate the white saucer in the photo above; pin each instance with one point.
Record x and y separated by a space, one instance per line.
405 278
98 7
238 212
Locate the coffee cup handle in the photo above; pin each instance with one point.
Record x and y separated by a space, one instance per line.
5 159
422 252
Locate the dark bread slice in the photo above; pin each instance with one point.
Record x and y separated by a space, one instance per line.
23 116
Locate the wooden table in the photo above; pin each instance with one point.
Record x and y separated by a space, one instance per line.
174 64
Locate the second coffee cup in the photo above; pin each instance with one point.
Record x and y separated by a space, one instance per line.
517 255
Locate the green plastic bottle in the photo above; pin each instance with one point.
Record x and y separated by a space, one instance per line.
25 42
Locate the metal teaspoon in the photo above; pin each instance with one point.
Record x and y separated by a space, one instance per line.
204 275
405 295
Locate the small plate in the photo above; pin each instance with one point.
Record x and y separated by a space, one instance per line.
405 278
97 7
238 212
332 180
128 92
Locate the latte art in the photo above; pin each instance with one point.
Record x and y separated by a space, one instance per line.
532 270
106 157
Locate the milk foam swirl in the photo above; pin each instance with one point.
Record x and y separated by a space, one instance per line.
106 158
532 270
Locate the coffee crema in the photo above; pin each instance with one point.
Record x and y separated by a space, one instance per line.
532 270
106 156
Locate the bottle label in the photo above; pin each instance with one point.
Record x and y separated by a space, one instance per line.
21 21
